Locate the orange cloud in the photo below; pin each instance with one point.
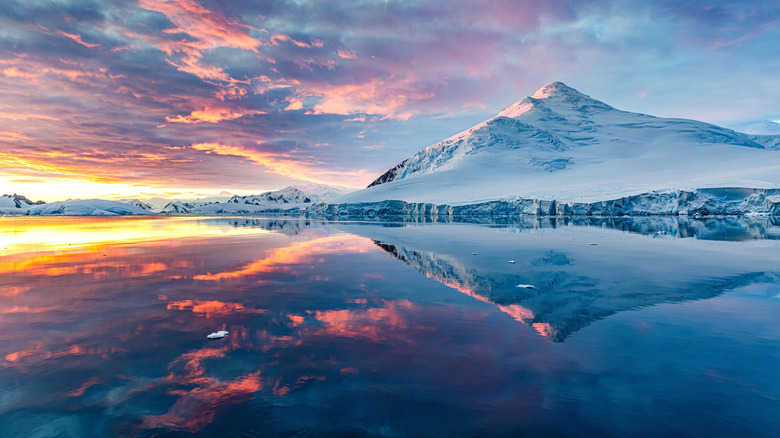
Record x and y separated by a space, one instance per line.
280 37
211 115
77 38
38 354
13 136
392 98
196 407
71 70
376 324
346 54
78 392
211 309
207 30
209 27
297 253
286 165
14 72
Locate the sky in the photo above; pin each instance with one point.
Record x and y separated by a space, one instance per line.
184 98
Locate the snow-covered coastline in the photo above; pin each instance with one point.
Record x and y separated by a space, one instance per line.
731 201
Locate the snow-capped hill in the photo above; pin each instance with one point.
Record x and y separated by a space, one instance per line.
765 127
222 196
303 194
178 207
140 204
322 192
564 145
16 203
288 195
87 207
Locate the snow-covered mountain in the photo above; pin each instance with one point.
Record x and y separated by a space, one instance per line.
85 207
288 195
287 199
292 195
16 204
140 204
178 207
765 127
562 145
322 192
167 205
222 196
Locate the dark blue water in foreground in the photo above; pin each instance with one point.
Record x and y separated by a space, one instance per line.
631 328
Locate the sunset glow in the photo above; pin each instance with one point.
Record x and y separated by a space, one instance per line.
47 234
185 98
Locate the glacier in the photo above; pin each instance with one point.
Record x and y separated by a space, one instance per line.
725 201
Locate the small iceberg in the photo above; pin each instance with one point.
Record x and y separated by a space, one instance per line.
526 286
218 335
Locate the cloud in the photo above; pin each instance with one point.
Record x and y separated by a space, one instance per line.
276 38
346 54
288 165
77 38
211 115
390 98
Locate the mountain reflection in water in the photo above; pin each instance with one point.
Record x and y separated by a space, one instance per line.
103 325
583 273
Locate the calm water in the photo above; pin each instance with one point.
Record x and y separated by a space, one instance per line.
632 328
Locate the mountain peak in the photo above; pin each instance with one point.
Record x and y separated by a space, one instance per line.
554 89
558 97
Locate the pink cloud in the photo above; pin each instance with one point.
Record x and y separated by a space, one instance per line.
77 38
392 98
276 38
208 27
346 54
211 115
301 168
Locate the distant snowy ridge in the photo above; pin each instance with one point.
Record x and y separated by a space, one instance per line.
178 207
289 195
88 207
765 127
16 204
293 199
564 146
142 205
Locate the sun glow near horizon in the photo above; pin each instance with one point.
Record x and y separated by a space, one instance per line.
60 189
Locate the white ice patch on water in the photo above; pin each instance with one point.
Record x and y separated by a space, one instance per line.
218 335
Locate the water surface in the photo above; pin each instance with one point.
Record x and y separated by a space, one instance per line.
632 328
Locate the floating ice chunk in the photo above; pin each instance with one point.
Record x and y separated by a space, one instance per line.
512 262
218 335
526 286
